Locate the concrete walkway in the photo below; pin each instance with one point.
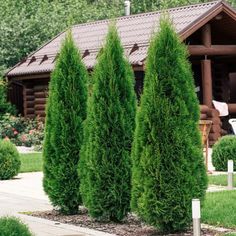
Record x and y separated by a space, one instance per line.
25 194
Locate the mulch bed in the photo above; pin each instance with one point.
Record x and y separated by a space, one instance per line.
131 226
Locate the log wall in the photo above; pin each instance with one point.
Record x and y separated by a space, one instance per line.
28 98
34 96
216 130
40 94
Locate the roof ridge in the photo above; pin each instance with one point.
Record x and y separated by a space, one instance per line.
147 13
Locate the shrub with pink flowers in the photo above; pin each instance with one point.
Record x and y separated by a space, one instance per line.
22 131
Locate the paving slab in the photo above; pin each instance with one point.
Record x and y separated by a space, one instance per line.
25 194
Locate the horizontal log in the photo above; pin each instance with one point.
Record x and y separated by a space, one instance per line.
30 110
40 94
40 107
203 117
204 108
232 107
223 132
40 88
40 101
216 121
214 136
30 104
213 113
29 91
29 98
198 50
215 129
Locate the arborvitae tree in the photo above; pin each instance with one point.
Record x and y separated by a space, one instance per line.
66 111
105 163
168 165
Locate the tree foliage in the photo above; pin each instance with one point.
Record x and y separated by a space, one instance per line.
105 164
66 111
5 106
168 166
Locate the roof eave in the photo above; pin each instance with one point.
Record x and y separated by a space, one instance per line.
202 20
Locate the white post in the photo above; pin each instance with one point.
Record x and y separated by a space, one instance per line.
230 174
196 215
127 7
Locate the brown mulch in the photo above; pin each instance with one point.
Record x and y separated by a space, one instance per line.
131 226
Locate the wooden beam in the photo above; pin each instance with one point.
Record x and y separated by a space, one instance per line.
206 35
232 107
199 50
207 82
138 68
30 76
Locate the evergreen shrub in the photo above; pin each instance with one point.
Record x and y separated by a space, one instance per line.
9 160
10 226
168 166
105 166
5 106
65 114
224 150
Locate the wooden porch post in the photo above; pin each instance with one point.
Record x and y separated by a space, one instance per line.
206 68
206 35
207 82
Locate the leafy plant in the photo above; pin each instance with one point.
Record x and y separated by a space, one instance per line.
66 111
22 131
168 167
224 150
11 226
105 164
9 160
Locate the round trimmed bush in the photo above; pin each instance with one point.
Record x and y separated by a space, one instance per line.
9 160
224 150
10 226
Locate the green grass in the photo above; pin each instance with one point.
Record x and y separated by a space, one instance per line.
31 162
220 209
219 180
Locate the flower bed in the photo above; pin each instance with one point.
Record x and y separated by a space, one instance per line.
131 226
22 131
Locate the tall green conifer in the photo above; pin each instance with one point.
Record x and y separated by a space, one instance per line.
168 167
66 111
106 164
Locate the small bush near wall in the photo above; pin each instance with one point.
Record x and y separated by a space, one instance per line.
224 150
9 160
10 226
22 131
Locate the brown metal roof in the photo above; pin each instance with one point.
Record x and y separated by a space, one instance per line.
134 30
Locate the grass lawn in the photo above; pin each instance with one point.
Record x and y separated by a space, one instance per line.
31 162
220 209
219 180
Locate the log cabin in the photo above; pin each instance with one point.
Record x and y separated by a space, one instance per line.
207 29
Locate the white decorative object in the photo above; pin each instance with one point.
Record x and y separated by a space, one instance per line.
230 174
222 107
230 166
196 215
233 124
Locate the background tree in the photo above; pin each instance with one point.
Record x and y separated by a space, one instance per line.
66 111
105 164
168 166
5 106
